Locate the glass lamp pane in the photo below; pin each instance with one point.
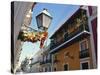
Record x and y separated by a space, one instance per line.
46 21
39 20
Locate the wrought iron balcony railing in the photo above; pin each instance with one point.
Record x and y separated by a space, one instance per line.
45 62
76 31
68 36
48 61
84 53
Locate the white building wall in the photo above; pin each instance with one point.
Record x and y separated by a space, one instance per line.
21 9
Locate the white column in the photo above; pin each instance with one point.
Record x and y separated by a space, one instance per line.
91 39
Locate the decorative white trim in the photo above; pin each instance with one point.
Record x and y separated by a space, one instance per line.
84 59
83 41
69 40
84 62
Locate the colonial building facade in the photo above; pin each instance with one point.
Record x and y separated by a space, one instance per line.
41 61
46 60
71 46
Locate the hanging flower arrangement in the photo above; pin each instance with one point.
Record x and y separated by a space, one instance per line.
33 37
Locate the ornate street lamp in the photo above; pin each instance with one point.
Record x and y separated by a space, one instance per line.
43 20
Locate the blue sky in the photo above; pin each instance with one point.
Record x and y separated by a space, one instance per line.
59 12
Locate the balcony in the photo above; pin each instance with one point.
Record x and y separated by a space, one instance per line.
84 53
45 62
76 31
55 45
48 61
68 36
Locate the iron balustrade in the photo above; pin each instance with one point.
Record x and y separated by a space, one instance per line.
48 61
68 36
45 61
84 53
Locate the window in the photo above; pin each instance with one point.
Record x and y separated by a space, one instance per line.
54 69
49 69
45 69
85 65
65 67
84 45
